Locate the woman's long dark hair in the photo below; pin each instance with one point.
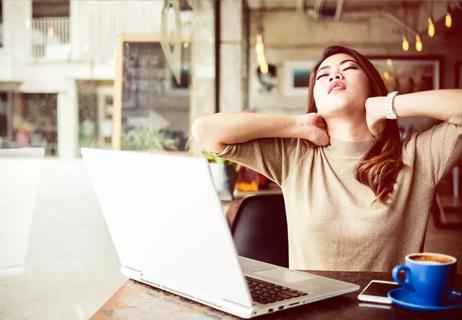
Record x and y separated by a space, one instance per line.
380 166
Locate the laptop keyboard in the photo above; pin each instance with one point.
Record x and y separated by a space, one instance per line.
266 292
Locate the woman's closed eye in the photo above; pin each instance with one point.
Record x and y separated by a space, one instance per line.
350 67
325 74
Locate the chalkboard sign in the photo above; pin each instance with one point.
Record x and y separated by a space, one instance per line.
145 97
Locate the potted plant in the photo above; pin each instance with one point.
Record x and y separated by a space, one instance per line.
148 139
224 175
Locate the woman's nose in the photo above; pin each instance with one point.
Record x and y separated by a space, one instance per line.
335 75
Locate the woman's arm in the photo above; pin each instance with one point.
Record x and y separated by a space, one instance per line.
220 129
438 104
436 150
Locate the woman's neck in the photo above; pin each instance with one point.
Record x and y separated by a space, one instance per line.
348 129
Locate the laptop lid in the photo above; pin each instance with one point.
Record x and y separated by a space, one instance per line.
166 220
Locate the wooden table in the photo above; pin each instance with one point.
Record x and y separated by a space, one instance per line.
135 300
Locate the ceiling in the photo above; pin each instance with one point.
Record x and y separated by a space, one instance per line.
348 5
341 9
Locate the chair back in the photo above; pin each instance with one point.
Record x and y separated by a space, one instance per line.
260 229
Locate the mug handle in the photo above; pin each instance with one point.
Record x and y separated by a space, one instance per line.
407 283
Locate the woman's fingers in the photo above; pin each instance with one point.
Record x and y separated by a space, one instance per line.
319 136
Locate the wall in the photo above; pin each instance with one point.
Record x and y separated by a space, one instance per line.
16 38
96 25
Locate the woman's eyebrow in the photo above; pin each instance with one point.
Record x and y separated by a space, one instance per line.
341 62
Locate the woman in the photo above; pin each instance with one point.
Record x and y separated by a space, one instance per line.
357 198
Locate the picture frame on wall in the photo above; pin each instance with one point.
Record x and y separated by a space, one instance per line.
409 74
295 77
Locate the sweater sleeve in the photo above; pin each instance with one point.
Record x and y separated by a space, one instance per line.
272 157
438 149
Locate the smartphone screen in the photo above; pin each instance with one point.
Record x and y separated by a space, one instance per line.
379 289
376 291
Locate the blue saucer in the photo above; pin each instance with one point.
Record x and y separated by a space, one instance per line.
406 299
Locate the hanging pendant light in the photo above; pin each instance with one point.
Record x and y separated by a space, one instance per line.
448 20
418 43
259 46
260 51
405 44
431 27
448 17
431 23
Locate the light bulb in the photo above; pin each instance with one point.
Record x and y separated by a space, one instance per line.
448 20
405 44
418 43
386 76
261 59
389 62
431 27
259 48
51 32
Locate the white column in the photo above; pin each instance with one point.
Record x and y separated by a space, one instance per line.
68 122
231 86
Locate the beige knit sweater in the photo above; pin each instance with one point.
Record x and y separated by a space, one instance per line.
333 221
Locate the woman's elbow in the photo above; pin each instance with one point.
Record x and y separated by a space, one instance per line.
203 134
197 130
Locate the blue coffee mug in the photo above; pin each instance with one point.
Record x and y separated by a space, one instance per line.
430 275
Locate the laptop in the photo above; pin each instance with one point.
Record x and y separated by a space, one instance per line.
19 187
170 232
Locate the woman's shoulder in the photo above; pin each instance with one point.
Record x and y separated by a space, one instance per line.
292 150
269 147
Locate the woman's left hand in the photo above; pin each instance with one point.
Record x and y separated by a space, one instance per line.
375 114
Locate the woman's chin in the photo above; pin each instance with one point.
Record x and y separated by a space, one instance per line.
333 110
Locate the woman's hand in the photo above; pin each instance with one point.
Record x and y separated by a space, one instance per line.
312 127
375 114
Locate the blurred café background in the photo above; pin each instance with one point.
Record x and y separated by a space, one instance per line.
133 75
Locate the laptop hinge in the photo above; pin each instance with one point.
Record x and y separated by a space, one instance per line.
131 272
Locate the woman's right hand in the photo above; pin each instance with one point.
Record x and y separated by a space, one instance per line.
313 127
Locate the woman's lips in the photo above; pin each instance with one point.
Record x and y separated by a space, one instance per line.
337 85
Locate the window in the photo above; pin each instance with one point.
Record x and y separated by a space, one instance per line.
95 99
50 25
50 8
35 121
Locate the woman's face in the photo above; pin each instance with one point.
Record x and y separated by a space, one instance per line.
340 86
